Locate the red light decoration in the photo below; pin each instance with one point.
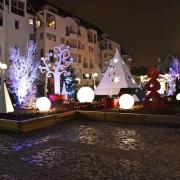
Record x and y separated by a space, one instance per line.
153 100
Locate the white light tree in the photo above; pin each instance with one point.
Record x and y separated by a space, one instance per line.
62 59
23 74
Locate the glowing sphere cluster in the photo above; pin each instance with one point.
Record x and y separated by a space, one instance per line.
85 94
178 97
126 101
43 104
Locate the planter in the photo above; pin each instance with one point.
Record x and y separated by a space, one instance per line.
114 103
107 102
57 100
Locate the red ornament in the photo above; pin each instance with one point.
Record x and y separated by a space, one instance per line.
153 100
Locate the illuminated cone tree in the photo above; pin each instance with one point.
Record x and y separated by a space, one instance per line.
56 64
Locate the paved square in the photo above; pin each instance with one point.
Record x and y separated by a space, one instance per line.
85 150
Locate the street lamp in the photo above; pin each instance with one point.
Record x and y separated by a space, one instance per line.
93 76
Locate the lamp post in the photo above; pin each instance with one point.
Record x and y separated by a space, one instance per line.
93 76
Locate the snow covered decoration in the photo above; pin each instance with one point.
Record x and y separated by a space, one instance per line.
117 76
23 73
62 59
174 73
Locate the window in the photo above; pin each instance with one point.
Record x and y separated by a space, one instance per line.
51 58
42 52
84 76
38 23
41 35
91 64
62 41
31 21
83 47
85 64
67 42
51 37
17 7
16 24
50 21
95 38
1 19
90 36
79 58
31 37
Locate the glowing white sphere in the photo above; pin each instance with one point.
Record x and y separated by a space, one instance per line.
178 97
43 104
85 94
126 101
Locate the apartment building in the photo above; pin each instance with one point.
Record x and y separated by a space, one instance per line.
14 26
51 27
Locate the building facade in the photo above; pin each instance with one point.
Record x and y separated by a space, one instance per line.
90 48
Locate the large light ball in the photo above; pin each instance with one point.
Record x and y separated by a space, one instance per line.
126 101
178 97
43 104
85 94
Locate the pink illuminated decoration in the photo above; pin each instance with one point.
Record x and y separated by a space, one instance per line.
62 60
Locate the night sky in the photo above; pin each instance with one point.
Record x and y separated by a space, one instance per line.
146 29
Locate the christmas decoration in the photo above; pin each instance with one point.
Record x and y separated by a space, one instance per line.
117 76
43 104
6 104
153 100
174 72
64 92
23 73
178 97
126 101
85 94
62 60
70 83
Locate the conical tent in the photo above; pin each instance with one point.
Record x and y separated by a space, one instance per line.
117 76
6 104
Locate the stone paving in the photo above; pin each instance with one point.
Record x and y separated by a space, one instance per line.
85 150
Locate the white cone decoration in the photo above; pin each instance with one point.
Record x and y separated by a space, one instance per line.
117 76
64 92
6 104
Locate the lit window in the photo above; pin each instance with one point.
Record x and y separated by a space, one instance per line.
38 23
30 21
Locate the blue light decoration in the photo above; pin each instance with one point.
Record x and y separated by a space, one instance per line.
70 83
23 74
174 72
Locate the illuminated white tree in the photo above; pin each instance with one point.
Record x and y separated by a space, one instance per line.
62 59
23 73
